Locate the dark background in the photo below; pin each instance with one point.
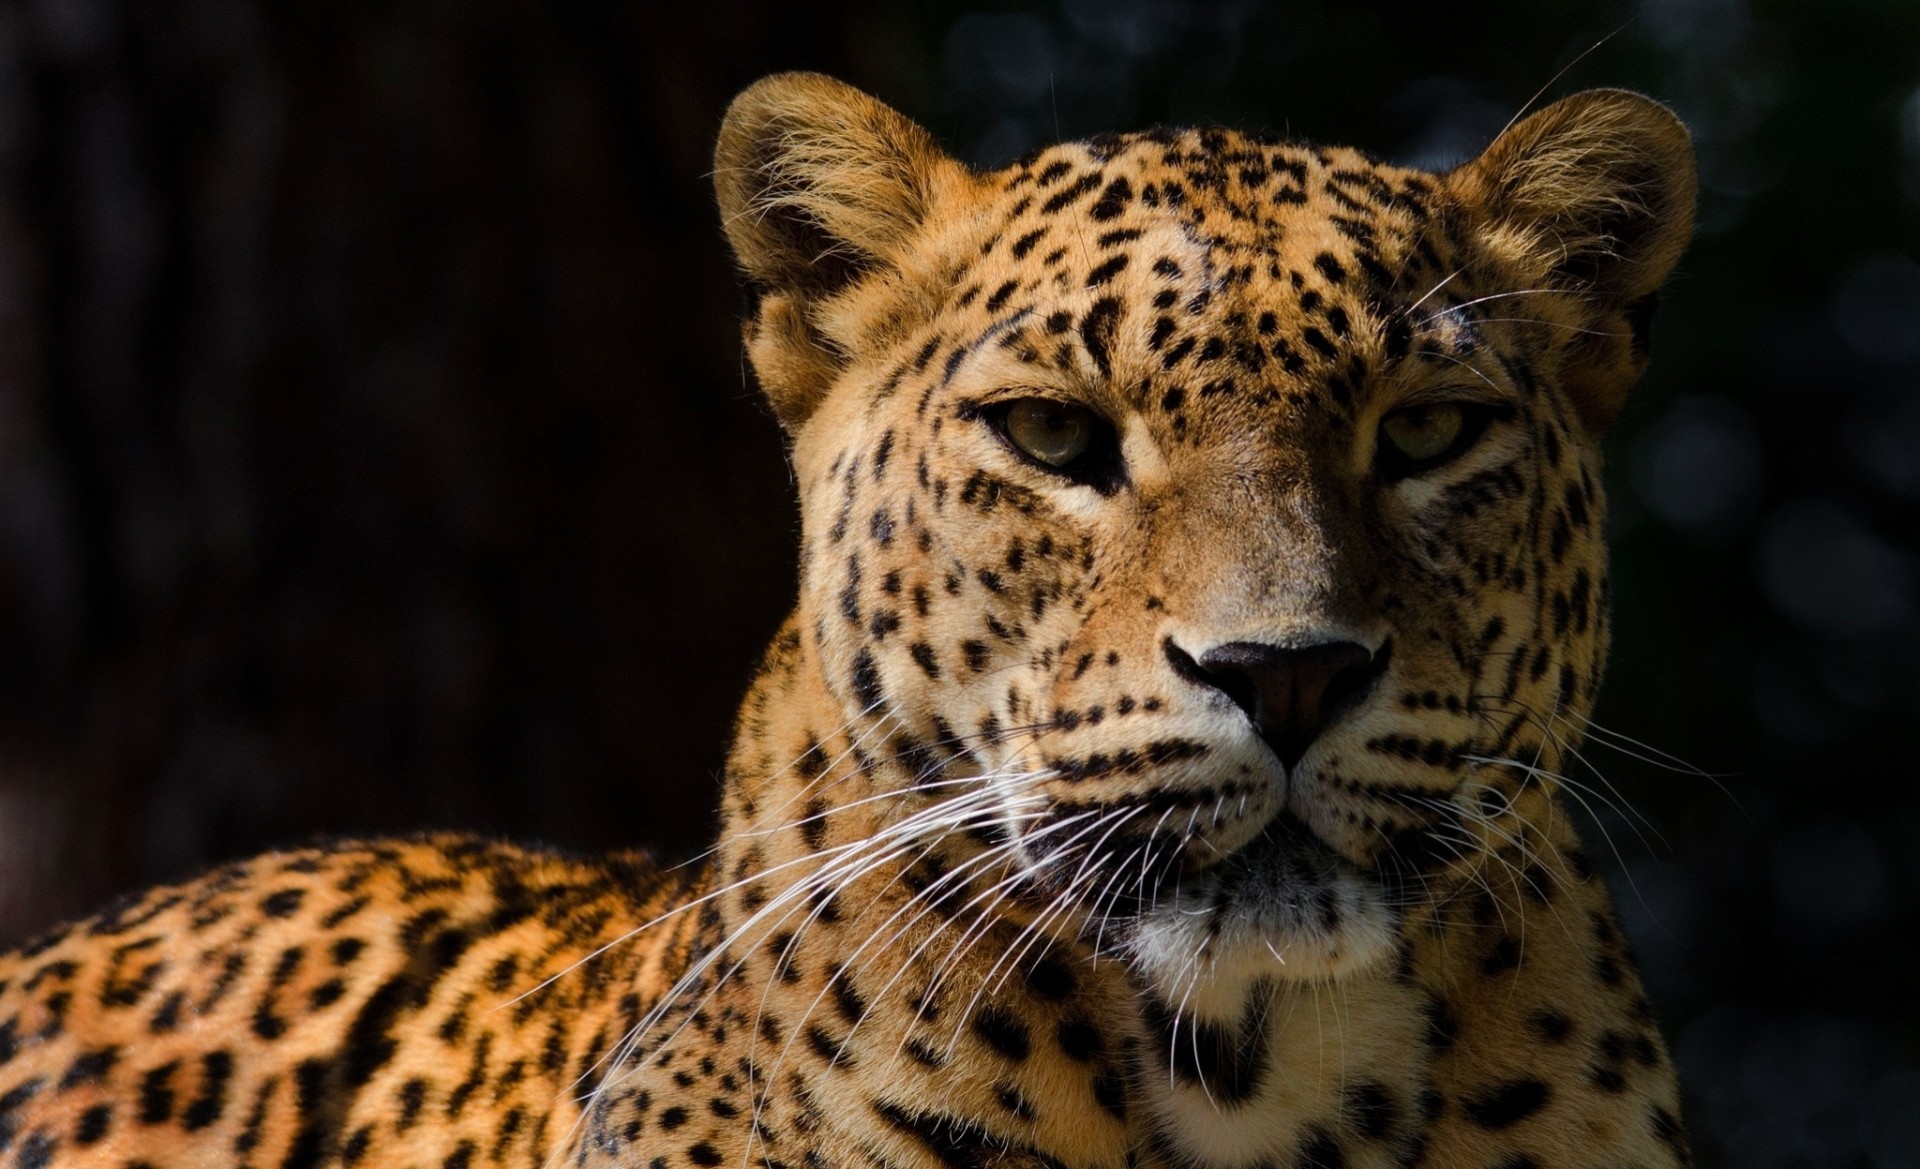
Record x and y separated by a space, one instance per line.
376 451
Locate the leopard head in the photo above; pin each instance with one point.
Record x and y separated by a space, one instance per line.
1228 509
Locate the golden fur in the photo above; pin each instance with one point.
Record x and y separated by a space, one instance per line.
1019 865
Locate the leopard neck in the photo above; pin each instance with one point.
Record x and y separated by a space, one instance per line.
865 956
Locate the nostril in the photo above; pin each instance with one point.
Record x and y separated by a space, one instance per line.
1350 683
1233 683
1183 663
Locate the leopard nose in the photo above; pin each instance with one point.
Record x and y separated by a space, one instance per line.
1290 692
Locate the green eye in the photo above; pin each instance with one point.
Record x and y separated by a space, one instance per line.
1056 434
1424 432
1421 437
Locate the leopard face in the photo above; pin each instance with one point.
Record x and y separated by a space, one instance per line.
1229 509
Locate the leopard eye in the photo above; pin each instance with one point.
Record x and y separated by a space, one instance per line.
1069 440
1421 437
1053 433
1424 432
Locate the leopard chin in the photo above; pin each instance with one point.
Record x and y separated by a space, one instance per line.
1285 906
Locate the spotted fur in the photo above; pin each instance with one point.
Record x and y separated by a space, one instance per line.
1009 874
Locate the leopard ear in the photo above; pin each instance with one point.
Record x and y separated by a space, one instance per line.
1592 195
820 186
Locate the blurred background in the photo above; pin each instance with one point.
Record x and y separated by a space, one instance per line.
376 451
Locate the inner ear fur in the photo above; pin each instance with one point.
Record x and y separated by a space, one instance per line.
820 186
1593 195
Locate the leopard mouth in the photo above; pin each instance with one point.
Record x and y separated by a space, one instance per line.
1283 905
1284 876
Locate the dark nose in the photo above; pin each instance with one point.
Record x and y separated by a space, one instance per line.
1290 693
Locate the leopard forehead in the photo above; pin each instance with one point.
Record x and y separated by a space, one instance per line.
1280 250
1210 260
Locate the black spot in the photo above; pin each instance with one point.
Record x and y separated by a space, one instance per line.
36 1152
90 1067
15 1099
249 1136
355 1150
846 999
1666 1126
326 994
1107 271
1097 330
284 903
1079 1039
976 654
923 656
156 1093
1001 1030
825 1046
1550 1026
1507 1104
93 1125
1645 1052
335 917
1504 955
954 1143
881 527
1069 193
1321 1151
925 1053
167 1017
1229 1060
1113 200
216 1068
1370 1110
866 680
413 1096
1050 979
1431 1104
370 1042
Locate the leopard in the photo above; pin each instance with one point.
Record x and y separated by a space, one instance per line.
1202 597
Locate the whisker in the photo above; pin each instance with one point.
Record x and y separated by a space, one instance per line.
1428 294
